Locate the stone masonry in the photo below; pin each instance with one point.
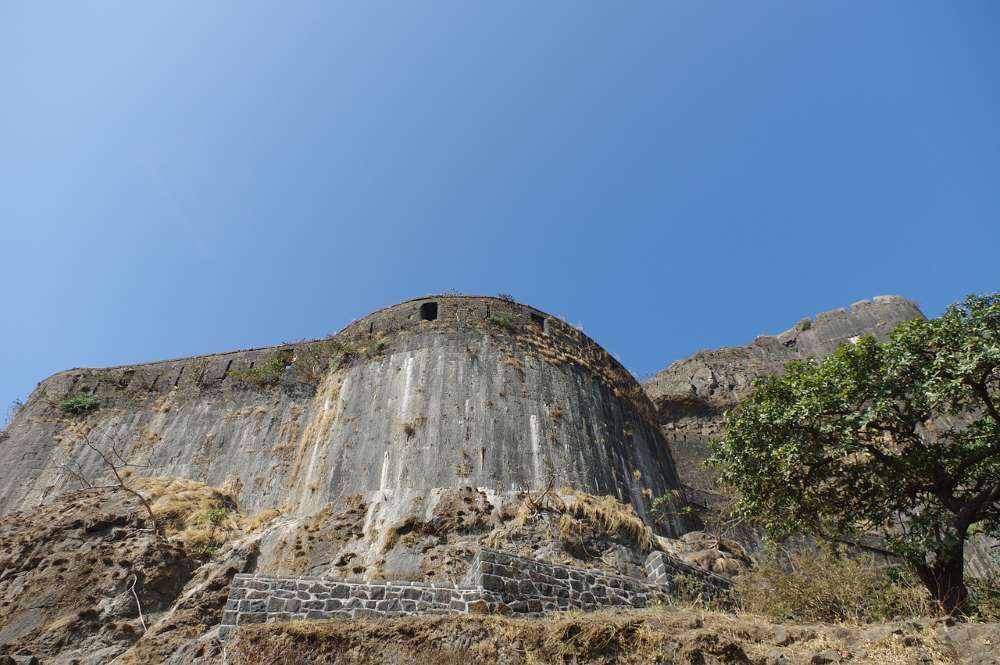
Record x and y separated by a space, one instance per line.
497 582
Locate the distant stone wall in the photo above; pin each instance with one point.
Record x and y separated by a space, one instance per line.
497 582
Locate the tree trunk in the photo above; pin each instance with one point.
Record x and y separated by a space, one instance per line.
945 578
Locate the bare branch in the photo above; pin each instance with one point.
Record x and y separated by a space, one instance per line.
115 461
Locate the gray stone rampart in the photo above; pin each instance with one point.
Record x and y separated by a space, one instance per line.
497 582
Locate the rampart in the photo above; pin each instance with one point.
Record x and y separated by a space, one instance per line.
437 392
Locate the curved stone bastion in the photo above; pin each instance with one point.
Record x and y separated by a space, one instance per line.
436 392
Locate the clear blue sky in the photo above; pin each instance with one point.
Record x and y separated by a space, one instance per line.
188 177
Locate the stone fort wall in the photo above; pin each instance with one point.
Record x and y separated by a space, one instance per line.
441 391
497 582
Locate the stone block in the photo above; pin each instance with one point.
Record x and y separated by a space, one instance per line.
251 617
492 583
478 607
389 605
279 617
527 588
252 606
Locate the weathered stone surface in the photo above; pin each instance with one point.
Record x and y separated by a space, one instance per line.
488 394
692 394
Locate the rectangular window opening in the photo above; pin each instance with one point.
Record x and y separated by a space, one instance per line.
538 323
428 311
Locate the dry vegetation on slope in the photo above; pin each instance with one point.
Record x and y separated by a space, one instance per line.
658 636
74 573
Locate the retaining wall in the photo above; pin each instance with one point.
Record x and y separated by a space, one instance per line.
497 582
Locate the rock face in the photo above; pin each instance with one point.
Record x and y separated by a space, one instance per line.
439 392
692 394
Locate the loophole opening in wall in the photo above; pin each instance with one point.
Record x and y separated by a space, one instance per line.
538 323
428 311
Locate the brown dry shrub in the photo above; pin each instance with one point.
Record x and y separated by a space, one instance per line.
828 586
612 515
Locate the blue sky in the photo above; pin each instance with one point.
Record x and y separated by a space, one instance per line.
189 177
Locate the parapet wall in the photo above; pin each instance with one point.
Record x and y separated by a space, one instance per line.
497 582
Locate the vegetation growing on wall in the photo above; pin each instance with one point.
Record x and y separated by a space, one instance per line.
267 372
79 404
504 319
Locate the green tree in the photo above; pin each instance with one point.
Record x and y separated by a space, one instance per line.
900 438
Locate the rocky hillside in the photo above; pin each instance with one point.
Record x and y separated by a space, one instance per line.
692 394
85 579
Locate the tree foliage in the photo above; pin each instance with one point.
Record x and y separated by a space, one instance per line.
900 438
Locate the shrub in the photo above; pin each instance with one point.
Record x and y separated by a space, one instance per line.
503 319
506 297
268 372
984 598
79 404
215 516
829 586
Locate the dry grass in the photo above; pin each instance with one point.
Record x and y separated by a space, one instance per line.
393 533
578 515
200 516
516 363
607 638
800 585
611 514
259 520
